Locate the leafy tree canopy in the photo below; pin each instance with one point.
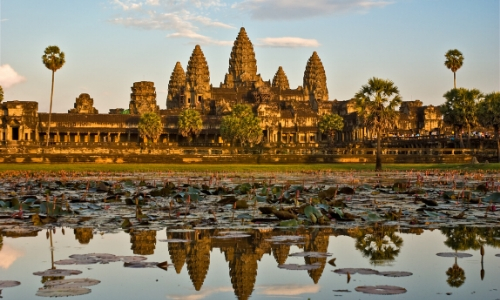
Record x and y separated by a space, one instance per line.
53 58
488 110
460 107
330 124
241 125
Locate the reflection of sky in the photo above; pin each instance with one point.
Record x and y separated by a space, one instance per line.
8 255
23 256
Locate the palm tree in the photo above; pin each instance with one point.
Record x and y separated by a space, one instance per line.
454 61
459 110
330 124
53 59
488 114
1 94
376 103
150 126
190 123
380 244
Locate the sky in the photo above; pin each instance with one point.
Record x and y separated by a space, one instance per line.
110 44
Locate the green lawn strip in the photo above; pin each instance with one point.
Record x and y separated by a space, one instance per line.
238 167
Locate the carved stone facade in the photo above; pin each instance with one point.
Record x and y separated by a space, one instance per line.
84 105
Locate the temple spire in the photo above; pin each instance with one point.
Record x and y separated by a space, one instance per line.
176 86
315 79
280 80
197 79
242 63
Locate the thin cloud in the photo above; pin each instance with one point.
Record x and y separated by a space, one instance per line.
9 77
287 290
287 42
300 9
8 256
172 16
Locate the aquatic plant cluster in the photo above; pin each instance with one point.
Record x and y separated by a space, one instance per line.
368 204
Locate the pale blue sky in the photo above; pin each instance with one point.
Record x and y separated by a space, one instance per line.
109 44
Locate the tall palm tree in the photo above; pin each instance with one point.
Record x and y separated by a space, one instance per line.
454 61
376 103
53 59
488 114
459 110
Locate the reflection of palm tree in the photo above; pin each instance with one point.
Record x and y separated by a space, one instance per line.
379 243
456 275
52 267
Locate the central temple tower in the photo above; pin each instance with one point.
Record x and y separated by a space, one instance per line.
242 69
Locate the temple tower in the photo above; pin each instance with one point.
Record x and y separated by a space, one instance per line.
315 80
176 86
197 80
84 105
242 69
143 98
280 80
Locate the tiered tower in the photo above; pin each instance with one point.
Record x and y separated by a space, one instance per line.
84 105
176 86
143 98
83 235
280 80
143 241
242 69
197 79
315 80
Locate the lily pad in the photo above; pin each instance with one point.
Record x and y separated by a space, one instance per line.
395 274
311 254
71 283
58 272
454 254
140 264
8 283
61 292
381 290
174 241
131 259
352 271
300 267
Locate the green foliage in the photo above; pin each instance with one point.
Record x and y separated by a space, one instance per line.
53 58
241 125
190 123
454 61
330 124
150 126
126 112
376 103
460 108
1 94
488 110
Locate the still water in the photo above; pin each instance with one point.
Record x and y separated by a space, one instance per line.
242 263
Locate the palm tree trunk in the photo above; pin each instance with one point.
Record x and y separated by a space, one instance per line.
50 109
468 136
497 138
460 137
378 159
455 80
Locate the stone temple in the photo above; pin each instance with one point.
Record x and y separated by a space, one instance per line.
288 116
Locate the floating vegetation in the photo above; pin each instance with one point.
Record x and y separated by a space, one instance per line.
58 272
454 254
381 290
313 266
8 283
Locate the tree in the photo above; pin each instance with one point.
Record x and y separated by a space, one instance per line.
150 126
376 103
53 59
329 124
454 61
241 125
190 123
459 110
488 114
380 244
1 94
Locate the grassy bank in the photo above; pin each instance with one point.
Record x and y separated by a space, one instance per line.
239 167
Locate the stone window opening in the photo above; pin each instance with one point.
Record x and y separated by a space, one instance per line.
199 99
15 133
